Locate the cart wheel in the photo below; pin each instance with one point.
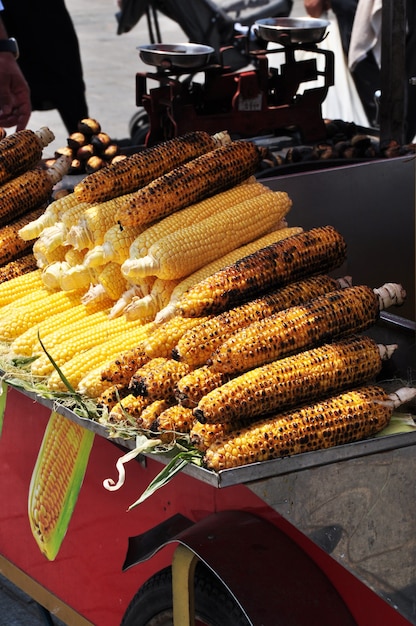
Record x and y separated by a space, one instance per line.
152 604
139 127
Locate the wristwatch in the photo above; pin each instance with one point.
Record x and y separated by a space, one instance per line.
10 45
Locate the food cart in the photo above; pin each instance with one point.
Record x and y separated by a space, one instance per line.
317 538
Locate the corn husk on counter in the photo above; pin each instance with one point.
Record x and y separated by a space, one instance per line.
171 299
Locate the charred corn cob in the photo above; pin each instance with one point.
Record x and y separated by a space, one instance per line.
198 383
336 314
165 337
21 151
151 412
201 436
11 245
15 287
197 344
65 322
157 379
26 316
179 254
316 251
85 334
191 215
21 265
204 176
139 169
79 365
183 285
343 418
56 480
122 368
29 190
51 214
112 396
129 409
293 380
173 421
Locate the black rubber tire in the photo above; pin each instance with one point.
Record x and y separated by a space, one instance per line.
152 604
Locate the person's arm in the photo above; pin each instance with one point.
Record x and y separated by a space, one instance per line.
15 107
315 8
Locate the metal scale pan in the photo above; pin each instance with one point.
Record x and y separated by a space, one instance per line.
181 56
291 31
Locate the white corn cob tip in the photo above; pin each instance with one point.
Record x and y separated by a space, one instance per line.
390 294
45 136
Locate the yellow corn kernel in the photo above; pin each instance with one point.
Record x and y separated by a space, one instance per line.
186 250
139 169
21 151
316 251
232 257
197 344
164 337
340 419
74 257
290 381
215 171
56 480
113 281
157 379
191 215
79 365
14 288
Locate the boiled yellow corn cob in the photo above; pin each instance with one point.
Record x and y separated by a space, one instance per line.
179 254
198 383
113 282
56 480
204 176
139 169
94 222
33 295
12 289
196 345
157 379
137 290
27 343
78 367
29 190
293 380
173 421
112 396
193 214
11 245
51 214
78 277
129 409
336 314
164 338
211 268
21 151
316 251
74 257
115 247
122 368
44 256
21 265
87 333
344 418
146 308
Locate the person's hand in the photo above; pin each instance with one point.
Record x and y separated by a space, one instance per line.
15 107
315 8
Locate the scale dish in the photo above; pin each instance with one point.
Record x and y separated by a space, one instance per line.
288 30
179 55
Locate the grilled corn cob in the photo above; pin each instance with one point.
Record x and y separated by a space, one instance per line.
11 245
316 251
21 151
175 420
122 368
111 396
21 265
198 383
129 409
115 246
201 436
339 313
29 190
15 287
293 380
157 379
193 214
344 418
204 176
151 412
179 254
139 169
197 344
170 309
79 365
164 338
56 480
